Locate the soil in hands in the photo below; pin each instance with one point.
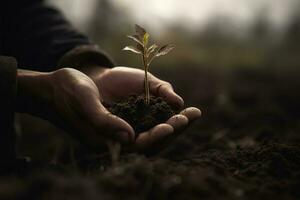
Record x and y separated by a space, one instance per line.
141 116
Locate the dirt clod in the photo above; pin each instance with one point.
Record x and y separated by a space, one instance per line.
141 116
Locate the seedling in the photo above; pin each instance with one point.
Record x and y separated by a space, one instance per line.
148 53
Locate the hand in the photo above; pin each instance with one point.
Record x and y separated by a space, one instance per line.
71 100
119 82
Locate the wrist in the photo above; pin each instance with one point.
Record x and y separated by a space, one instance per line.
33 92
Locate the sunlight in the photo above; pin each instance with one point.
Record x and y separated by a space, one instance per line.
190 14
194 14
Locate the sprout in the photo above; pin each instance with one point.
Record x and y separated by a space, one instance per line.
148 53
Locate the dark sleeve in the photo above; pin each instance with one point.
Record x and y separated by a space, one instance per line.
39 36
8 71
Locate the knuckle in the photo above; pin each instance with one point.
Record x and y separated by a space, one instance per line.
163 86
167 84
63 71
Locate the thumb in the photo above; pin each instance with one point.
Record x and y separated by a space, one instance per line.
115 127
110 125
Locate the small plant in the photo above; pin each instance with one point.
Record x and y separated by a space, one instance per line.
148 53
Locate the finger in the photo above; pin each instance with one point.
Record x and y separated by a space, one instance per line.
107 124
152 136
165 90
81 129
115 127
178 122
191 113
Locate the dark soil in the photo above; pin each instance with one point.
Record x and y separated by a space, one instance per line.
141 116
245 146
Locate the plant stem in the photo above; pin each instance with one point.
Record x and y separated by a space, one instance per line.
146 84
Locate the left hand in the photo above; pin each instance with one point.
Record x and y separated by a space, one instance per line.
120 82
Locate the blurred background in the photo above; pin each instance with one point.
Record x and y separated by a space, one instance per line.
206 32
232 57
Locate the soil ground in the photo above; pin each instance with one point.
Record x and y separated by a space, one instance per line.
245 146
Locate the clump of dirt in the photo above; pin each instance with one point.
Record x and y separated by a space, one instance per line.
140 115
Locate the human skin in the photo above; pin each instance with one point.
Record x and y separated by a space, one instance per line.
72 100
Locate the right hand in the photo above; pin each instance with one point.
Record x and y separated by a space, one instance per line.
155 139
71 100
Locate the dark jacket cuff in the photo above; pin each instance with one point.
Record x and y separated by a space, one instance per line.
85 55
8 74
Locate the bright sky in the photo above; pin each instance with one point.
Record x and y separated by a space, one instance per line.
194 14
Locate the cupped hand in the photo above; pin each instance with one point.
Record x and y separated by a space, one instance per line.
120 82
71 100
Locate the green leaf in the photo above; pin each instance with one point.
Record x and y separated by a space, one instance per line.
165 50
140 31
132 49
146 39
135 38
151 49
